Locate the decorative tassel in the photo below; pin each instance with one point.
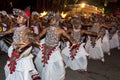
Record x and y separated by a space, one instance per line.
46 54
13 63
75 52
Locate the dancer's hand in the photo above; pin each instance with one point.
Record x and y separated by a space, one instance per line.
75 45
37 39
1 34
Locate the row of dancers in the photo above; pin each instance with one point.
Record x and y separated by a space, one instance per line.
50 44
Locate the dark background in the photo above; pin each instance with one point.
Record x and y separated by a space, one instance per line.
6 4
40 5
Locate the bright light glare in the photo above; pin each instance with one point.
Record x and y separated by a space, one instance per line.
83 5
43 14
63 15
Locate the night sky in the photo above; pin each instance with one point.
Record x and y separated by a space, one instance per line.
38 5
22 4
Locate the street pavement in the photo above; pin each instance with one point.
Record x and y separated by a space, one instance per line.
97 70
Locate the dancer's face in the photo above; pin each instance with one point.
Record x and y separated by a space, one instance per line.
96 19
53 21
76 24
20 20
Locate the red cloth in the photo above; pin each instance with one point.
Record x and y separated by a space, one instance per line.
28 13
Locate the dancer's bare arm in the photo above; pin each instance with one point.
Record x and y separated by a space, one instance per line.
67 36
108 26
8 32
41 34
88 32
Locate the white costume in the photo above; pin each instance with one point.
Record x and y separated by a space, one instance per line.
3 46
35 29
80 60
54 70
106 43
49 61
114 41
23 68
95 52
20 66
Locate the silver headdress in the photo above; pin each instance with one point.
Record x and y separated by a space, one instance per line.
35 13
3 13
75 19
20 12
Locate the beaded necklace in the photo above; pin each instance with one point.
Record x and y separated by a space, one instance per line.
52 38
